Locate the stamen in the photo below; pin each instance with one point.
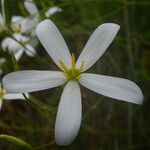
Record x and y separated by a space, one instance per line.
82 65
73 60
72 73
63 65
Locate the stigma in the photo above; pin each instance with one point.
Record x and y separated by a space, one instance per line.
73 73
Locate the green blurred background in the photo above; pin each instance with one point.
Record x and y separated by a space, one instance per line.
107 124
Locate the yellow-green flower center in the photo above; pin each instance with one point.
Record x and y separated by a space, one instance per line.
16 29
72 73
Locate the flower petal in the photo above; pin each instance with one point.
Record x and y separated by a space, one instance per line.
19 53
97 44
117 88
53 42
21 38
30 81
69 114
12 96
29 25
52 11
16 19
30 51
16 22
31 7
10 44
26 25
34 41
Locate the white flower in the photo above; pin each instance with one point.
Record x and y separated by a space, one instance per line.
22 25
18 47
33 10
69 113
9 96
22 31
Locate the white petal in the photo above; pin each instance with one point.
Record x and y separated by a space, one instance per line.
53 42
30 81
97 44
10 44
1 102
16 19
28 25
21 38
52 11
5 43
31 7
30 51
69 114
12 96
34 41
18 54
117 88
16 22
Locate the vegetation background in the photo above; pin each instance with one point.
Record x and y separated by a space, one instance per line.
107 124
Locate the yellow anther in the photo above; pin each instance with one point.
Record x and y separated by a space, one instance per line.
73 60
63 65
18 30
82 65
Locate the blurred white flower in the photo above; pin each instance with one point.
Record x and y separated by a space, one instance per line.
18 47
22 40
33 10
69 113
9 96
22 25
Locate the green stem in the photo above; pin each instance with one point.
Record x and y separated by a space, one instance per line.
41 109
92 108
128 40
131 71
16 141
